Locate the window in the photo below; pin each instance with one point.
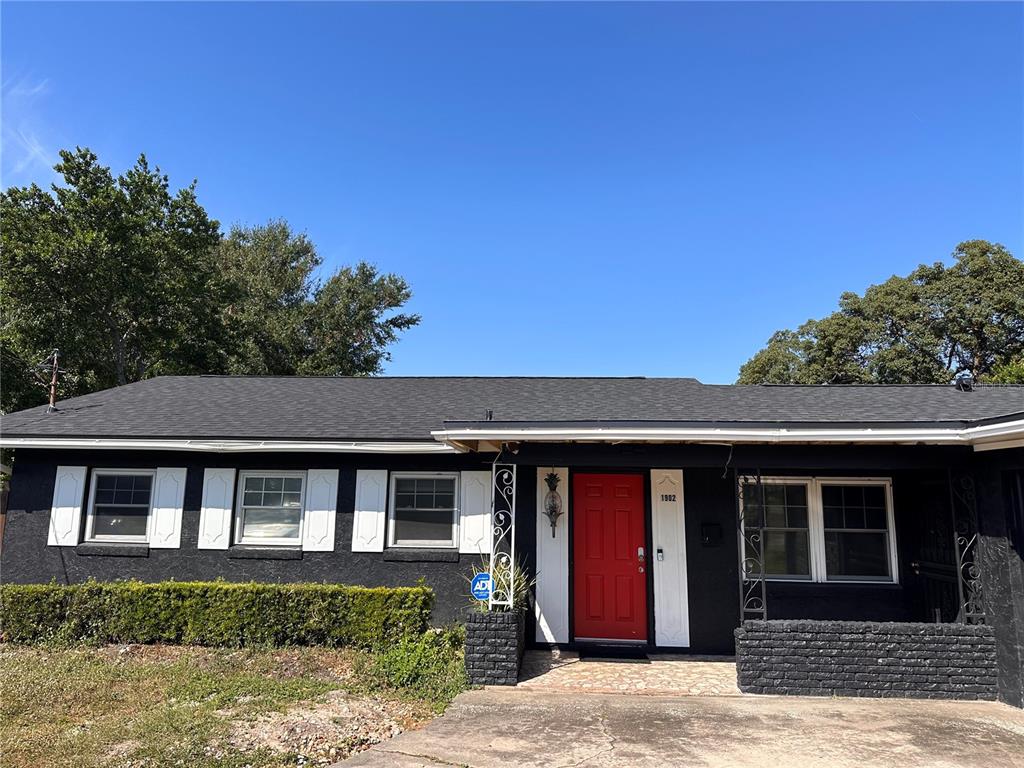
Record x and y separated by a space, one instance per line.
269 509
423 510
856 531
787 547
120 505
823 529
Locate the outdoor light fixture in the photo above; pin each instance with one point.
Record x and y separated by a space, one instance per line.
553 500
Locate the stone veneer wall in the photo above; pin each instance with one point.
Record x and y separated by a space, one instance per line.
881 659
494 647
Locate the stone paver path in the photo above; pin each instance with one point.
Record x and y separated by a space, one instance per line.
661 675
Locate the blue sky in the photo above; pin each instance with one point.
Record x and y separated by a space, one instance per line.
572 189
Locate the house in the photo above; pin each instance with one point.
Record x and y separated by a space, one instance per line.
658 513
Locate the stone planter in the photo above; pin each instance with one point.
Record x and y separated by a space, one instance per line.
494 647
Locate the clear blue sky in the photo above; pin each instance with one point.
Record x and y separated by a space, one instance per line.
570 189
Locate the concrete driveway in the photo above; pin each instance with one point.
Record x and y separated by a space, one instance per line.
510 727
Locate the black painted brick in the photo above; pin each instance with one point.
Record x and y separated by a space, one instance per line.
844 658
494 647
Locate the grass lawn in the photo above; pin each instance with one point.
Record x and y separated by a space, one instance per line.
143 706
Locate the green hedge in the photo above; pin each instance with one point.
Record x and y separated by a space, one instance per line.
213 613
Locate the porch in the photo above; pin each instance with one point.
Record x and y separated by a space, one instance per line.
886 535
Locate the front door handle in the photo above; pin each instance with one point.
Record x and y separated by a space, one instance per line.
640 554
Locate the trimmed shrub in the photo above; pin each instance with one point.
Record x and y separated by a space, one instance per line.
213 613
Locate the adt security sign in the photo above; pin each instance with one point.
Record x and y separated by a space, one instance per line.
480 587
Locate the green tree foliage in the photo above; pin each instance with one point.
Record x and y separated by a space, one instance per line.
283 320
923 328
115 272
130 280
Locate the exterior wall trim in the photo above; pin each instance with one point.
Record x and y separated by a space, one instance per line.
224 446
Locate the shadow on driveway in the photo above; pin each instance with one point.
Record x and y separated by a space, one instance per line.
510 727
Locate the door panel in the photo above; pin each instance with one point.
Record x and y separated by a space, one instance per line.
610 592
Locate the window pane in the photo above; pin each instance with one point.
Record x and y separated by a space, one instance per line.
290 500
270 524
271 499
874 496
106 482
834 517
796 495
775 516
142 482
293 484
875 518
104 495
252 498
405 485
254 483
786 553
797 517
273 483
423 525
850 555
120 521
832 495
775 495
854 517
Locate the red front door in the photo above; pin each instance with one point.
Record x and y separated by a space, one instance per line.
610 592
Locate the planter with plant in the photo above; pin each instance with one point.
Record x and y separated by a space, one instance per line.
495 635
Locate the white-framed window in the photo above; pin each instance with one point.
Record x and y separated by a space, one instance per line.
423 510
120 505
268 510
823 528
784 506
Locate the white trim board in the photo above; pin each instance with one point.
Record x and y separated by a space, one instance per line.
668 536
978 437
224 446
551 607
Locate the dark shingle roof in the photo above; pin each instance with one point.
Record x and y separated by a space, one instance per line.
386 408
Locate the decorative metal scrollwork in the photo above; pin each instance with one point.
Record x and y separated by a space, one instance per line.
503 547
964 503
750 529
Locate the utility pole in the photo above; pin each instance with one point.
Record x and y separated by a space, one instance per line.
53 364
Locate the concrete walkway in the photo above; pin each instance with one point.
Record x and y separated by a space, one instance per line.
517 727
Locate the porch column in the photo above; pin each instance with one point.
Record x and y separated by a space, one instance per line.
503 538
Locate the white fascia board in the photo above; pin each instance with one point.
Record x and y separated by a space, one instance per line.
460 437
223 446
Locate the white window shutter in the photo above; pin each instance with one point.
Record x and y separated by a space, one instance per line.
66 512
370 511
215 515
168 503
321 510
475 513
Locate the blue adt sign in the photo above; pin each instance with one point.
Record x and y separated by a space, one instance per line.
480 587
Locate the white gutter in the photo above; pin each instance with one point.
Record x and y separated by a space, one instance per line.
971 436
223 446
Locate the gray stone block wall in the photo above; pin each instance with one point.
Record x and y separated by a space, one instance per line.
879 659
494 647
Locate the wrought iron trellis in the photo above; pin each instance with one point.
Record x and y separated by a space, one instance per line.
964 505
750 533
503 526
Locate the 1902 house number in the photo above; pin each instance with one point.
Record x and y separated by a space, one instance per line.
668 497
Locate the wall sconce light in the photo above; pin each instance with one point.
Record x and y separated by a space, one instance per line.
553 500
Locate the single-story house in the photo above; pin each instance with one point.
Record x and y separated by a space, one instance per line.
654 513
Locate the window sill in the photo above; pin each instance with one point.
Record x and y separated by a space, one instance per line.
400 555
264 553
104 549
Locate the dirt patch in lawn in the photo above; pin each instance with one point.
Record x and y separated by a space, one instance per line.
328 729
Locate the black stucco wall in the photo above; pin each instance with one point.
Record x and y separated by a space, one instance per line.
27 559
